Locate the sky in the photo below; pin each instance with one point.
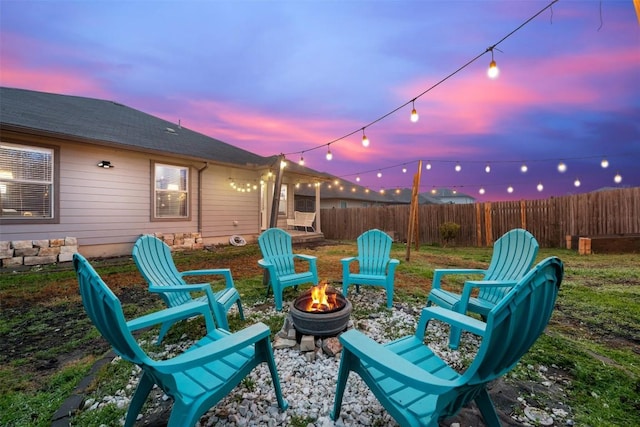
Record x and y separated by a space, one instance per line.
305 77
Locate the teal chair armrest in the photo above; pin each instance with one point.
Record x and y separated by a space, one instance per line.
168 314
470 285
212 272
450 317
439 272
347 261
194 287
381 358
303 257
216 350
393 263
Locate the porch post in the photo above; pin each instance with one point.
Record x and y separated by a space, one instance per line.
318 227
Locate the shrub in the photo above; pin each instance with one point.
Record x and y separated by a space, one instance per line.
449 231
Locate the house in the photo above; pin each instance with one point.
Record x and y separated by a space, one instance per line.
101 174
447 196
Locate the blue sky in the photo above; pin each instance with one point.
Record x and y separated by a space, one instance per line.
291 76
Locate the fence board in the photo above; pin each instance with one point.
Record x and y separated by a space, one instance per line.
610 212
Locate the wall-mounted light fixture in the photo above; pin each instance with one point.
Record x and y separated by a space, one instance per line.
105 164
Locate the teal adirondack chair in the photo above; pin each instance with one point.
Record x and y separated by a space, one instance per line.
278 260
154 260
418 388
375 266
513 255
196 379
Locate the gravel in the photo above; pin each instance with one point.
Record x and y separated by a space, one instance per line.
308 382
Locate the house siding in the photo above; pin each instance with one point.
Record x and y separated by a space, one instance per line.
112 207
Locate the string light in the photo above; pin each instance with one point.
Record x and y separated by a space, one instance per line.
576 183
329 155
365 140
524 168
458 167
618 178
604 163
493 70
481 190
357 178
404 170
562 168
428 166
414 113
301 162
540 187
487 168
510 189
379 174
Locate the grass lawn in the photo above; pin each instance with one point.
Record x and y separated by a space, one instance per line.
47 344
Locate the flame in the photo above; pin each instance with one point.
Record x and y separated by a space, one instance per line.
320 299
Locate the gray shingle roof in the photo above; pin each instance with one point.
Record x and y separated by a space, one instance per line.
110 123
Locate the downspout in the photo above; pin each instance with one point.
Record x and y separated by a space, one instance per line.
206 166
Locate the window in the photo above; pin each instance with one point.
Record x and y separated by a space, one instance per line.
282 206
26 182
171 192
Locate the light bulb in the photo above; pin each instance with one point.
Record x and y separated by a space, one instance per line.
540 187
414 115
576 182
382 191
524 168
301 162
365 140
510 189
481 191
357 179
487 168
329 155
428 166
493 70
562 168
617 179
379 174
604 163
404 170
458 167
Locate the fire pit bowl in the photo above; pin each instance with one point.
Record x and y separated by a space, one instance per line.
331 321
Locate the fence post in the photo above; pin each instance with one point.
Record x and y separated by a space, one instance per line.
487 224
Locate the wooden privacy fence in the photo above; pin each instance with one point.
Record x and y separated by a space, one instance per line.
602 213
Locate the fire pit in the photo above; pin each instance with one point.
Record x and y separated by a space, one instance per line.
321 311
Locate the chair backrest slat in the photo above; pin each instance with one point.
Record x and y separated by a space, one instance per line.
154 260
374 247
276 247
105 311
517 321
513 255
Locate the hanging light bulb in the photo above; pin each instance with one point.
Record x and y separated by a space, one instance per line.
357 179
540 187
487 168
524 168
404 170
510 189
379 174
329 155
576 183
618 178
481 190
365 140
301 162
414 113
458 167
428 166
493 70
562 168
604 163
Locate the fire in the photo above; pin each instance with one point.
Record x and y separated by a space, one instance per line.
320 299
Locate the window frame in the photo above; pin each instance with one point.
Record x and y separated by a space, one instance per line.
54 197
153 217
